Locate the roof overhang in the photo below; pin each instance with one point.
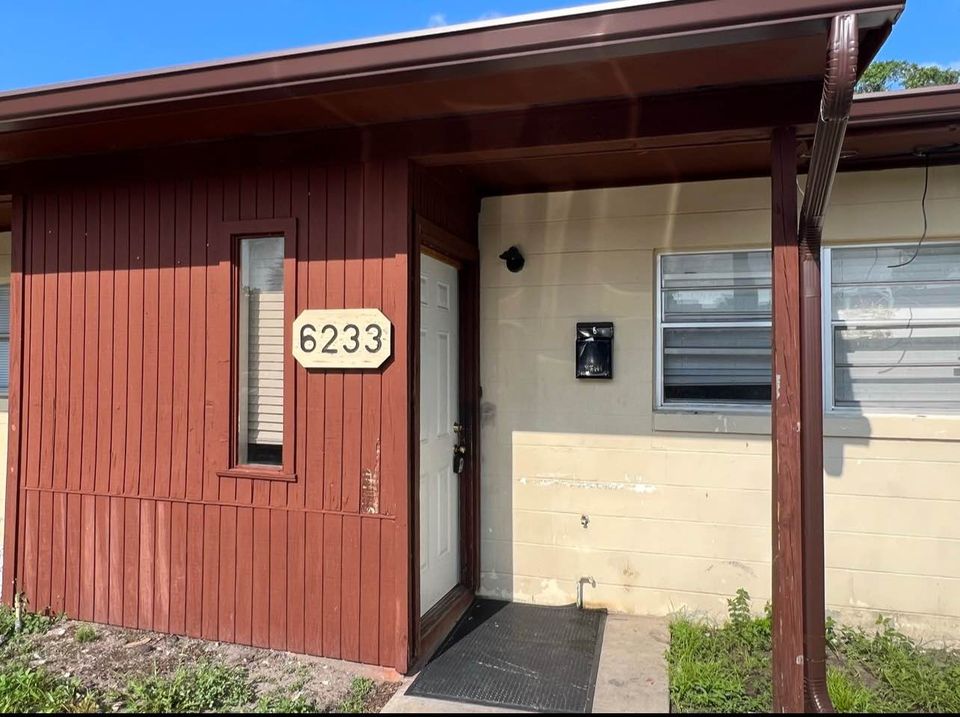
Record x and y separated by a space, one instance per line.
886 130
907 128
610 51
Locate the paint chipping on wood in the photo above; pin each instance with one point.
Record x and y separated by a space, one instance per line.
370 486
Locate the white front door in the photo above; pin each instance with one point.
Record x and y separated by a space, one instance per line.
439 411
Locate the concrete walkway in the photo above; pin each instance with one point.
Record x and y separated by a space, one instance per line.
632 675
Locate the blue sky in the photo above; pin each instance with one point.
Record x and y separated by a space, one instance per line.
57 40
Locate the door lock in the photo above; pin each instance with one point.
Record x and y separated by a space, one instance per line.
459 450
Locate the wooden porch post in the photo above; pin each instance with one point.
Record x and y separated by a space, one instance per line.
786 431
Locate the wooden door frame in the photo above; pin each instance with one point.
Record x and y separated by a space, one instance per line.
429 629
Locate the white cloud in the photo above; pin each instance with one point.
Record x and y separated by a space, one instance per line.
439 19
943 65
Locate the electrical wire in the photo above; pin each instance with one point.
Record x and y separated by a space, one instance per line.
923 207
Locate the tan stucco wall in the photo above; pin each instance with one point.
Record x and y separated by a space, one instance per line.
679 504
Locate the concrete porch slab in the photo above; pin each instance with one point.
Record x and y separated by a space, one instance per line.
632 675
633 666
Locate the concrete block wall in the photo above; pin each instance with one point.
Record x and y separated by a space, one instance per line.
678 503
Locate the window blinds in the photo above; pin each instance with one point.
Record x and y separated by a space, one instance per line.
896 327
715 327
261 351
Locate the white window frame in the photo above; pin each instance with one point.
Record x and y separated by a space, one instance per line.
827 326
690 407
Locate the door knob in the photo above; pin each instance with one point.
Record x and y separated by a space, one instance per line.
459 449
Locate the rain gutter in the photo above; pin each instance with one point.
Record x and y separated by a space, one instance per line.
835 109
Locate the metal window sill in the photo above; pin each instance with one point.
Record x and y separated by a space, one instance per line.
705 420
835 425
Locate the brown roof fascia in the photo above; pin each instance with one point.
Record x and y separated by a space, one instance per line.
924 105
590 32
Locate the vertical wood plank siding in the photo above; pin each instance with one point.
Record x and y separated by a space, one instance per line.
122 421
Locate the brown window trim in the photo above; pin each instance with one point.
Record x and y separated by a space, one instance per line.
255 472
246 229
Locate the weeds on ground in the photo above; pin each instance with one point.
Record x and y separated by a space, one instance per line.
279 703
85 633
30 623
203 687
360 689
721 669
726 668
849 695
900 674
26 689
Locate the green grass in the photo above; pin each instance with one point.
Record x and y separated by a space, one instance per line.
29 689
85 633
31 623
360 689
901 675
726 668
206 686
278 703
203 687
721 669
849 695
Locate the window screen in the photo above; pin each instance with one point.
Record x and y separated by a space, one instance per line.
715 314
896 329
260 374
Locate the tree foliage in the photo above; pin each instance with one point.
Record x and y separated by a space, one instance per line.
890 75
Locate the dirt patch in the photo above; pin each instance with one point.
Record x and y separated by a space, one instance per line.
380 695
116 655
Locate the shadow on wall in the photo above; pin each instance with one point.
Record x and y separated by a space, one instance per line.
835 446
582 480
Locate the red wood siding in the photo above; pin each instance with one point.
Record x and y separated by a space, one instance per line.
122 289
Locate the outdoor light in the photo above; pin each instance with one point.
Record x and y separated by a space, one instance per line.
514 259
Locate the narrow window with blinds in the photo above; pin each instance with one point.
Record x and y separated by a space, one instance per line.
260 347
714 324
894 323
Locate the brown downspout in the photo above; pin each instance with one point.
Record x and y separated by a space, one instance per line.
835 107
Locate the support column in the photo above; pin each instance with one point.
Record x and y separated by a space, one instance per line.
787 446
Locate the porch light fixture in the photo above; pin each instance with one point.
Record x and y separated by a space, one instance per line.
514 259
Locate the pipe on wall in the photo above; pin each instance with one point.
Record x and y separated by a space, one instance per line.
835 108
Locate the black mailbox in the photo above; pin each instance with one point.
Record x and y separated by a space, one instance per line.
595 349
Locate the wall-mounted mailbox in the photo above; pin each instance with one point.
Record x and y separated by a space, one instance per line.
595 349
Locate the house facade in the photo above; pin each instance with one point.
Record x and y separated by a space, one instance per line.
670 460
276 377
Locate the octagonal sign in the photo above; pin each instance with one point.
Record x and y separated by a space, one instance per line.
342 338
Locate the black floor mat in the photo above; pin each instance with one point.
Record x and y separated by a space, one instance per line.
520 656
